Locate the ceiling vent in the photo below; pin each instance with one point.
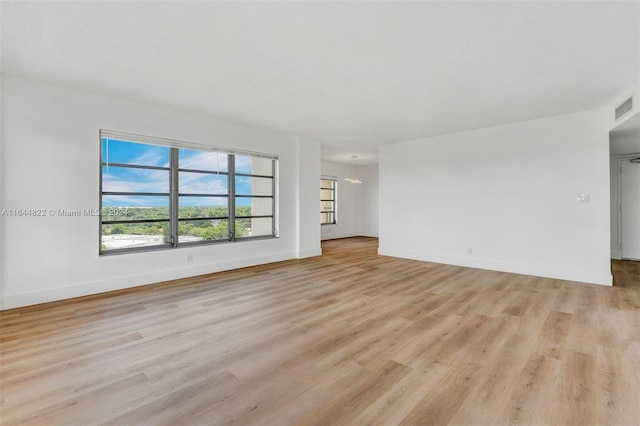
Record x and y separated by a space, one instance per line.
624 108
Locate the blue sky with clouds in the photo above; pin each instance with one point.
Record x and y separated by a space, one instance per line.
123 179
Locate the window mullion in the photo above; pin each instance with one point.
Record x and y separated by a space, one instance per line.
173 198
274 231
231 159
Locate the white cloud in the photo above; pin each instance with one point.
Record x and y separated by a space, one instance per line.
152 158
121 179
198 183
203 160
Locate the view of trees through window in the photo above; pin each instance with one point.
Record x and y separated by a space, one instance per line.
159 196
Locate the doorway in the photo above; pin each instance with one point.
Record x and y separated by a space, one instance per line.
629 207
624 149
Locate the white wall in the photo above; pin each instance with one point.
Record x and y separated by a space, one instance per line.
309 204
50 161
508 193
368 201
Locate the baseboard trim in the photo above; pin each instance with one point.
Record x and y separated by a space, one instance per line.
17 300
302 254
368 234
339 235
591 277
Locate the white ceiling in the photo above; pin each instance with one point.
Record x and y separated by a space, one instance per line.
353 75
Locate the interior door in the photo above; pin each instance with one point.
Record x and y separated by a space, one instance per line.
630 209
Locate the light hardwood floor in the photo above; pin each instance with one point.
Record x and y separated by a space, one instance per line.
626 273
346 338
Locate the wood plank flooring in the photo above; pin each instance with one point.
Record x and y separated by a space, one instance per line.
346 338
626 273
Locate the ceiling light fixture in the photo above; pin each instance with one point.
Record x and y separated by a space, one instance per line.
353 166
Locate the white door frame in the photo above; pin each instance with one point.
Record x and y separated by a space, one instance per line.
622 158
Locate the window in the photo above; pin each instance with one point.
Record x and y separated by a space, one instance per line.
328 188
135 195
155 194
203 196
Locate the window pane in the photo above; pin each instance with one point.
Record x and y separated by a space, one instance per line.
202 160
324 183
134 213
326 206
327 194
254 206
254 165
139 205
199 183
133 235
115 151
254 227
202 230
192 207
125 179
327 218
254 185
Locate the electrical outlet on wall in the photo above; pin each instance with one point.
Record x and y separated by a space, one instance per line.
469 250
189 257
